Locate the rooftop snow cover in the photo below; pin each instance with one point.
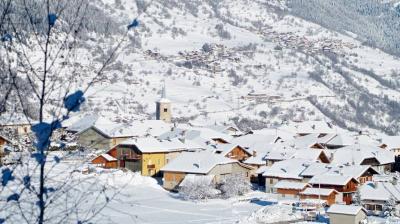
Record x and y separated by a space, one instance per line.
224 149
345 209
358 153
196 162
193 178
318 191
290 169
309 127
250 140
315 169
379 191
224 128
280 152
309 154
152 145
284 184
108 157
355 170
329 179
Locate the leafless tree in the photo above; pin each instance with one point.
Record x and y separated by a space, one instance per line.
42 65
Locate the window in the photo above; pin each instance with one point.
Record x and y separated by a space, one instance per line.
271 181
165 110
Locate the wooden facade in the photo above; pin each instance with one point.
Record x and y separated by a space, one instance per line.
238 153
330 199
347 189
103 162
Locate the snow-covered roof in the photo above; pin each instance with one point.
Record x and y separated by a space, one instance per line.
224 149
330 179
341 139
84 123
379 191
356 154
251 140
193 178
315 169
285 184
152 145
108 157
280 152
290 169
354 170
309 127
200 162
224 128
309 154
345 209
318 191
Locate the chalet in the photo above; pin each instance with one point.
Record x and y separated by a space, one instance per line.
147 155
106 161
201 163
330 196
289 189
380 160
349 214
362 173
232 151
346 185
374 196
315 155
289 170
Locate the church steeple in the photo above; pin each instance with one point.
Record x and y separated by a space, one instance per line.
163 107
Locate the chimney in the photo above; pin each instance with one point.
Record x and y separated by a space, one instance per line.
254 153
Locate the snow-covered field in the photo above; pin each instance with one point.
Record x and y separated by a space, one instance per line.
132 198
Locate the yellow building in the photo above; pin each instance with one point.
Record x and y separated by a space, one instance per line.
147 155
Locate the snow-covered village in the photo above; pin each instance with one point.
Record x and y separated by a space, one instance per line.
200 111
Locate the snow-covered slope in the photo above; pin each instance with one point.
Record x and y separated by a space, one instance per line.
213 54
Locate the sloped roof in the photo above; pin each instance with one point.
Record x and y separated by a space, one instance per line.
285 184
358 153
309 154
152 145
108 157
251 140
291 169
196 162
354 170
379 191
318 191
224 149
345 209
315 169
330 179
309 127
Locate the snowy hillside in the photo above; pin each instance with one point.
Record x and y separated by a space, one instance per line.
251 62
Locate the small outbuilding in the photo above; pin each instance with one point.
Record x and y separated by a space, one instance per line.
106 161
349 214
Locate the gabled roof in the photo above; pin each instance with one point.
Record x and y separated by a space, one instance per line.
318 191
224 128
201 162
310 127
251 140
224 149
356 154
315 169
330 179
310 154
295 185
290 169
380 191
345 209
108 157
354 170
153 145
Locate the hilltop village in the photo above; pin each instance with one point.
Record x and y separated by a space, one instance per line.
308 164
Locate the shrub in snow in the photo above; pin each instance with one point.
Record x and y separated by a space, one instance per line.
389 208
199 190
235 185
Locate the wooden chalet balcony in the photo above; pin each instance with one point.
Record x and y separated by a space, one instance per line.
130 157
